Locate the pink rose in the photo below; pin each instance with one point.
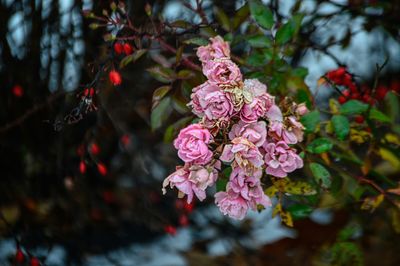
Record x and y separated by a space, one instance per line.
192 180
274 113
281 159
291 132
248 187
191 144
251 112
222 72
217 49
243 153
255 132
301 109
210 100
257 101
255 87
231 204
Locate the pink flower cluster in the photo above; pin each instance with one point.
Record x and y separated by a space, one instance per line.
240 125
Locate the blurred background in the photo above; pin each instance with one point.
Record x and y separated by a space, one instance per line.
89 193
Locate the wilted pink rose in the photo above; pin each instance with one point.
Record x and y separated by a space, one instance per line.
211 101
243 153
250 112
204 177
231 204
291 132
217 49
257 102
192 180
195 102
222 71
255 132
274 113
248 187
191 144
255 87
281 159
301 109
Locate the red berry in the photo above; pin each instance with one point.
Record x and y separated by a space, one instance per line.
34 262
342 99
359 119
179 203
82 167
353 88
188 207
125 140
347 80
128 49
102 169
118 48
340 71
183 220
366 98
19 256
346 93
94 148
381 92
18 91
355 96
170 229
395 86
115 78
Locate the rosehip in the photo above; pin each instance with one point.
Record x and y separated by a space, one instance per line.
170 229
183 220
82 167
359 119
115 78
19 256
128 49
381 92
102 169
188 207
342 99
118 48
18 91
346 93
34 262
94 148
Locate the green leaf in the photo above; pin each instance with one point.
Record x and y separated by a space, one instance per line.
221 184
285 33
320 145
299 211
222 18
262 14
173 129
197 41
300 72
259 41
321 174
392 105
159 93
240 16
353 107
162 74
341 126
377 115
311 121
160 113
184 74
132 58
258 58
